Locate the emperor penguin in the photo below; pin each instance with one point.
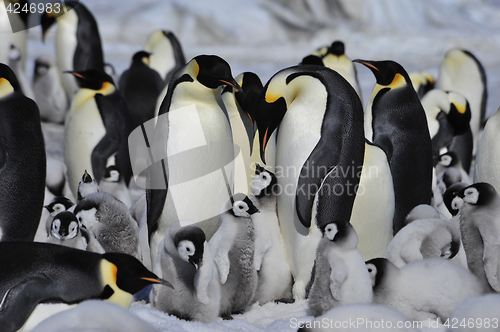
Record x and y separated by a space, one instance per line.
461 72
78 42
86 186
22 161
187 261
488 158
55 206
114 184
448 115
341 276
422 82
48 90
64 230
34 276
425 289
320 119
56 180
240 106
192 150
449 160
110 222
166 53
395 120
480 226
334 58
233 247
140 86
275 279
96 129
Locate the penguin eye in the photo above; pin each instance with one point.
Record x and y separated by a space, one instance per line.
264 177
370 270
240 207
188 249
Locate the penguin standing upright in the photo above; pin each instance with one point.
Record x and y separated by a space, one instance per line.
320 136
488 157
22 161
422 82
96 128
140 86
233 247
460 71
42 272
395 121
194 136
78 42
166 53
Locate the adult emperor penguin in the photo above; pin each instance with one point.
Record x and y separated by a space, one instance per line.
334 58
96 129
488 156
22 161
49 92
240 106
35 275
233 247
78 42
275 278
480 226
193 132
140 86
320 119
395 121
341 276
450 160
185 259
461 71
424 289
448 116
166 53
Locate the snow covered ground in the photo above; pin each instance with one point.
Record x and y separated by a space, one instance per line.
265 36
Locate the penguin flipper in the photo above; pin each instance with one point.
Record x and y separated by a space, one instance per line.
491 261
102 151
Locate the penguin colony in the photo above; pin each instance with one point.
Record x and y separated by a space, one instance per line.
413 241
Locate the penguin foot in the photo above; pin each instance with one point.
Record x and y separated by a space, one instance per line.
285 300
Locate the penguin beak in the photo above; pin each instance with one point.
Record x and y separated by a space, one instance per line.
252 210
197 263
76 74
232 83
158 281
367 63
268 118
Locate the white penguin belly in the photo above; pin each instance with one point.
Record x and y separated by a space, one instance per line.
66 43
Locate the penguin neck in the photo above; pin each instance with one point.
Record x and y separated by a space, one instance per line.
109 274
83 95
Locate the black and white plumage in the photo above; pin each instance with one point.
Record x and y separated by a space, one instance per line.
86 186
422 82
114 184
166 53
185 259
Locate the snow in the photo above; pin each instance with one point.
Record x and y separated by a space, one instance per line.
265 36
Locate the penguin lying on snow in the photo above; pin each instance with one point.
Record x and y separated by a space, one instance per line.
186 259
424 289
340 274
40 272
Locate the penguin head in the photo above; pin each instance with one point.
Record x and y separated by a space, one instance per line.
190 244
213 71
87 186
312 60
337 48
59 204
251 86
42 66
141 57
451 199
388 73
123 275
448 159
459 113
8 81
86 212
340 233
94 79
479 194
241 206
112 174
378 270
49 18
262 182
64 226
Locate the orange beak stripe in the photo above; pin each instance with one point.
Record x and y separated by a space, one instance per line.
251 121
153 280
265 138
370 65
77 75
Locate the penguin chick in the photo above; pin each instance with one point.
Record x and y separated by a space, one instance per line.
422 211
233 246
424 289
186 259
424 238
479 215
86 186
340 275
114 184
275 278
65 231
58 205
451 160
110 222
42 272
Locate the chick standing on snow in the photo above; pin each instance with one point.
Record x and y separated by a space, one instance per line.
275 278
186 260
340 275
233 246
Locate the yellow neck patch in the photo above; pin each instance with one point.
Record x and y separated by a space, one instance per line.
193 68
85 94
459 101
108 275
145 60
5 88
398 82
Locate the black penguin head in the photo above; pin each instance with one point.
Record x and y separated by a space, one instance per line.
141 57
87 186
263 182
341 233
42 66
337 48
378 270
386 72
312 60
214 71
59 204
93 79
479 194
247 97
448 159
112 174
451 199
190 244
130 275
49 18
8 81
459 114
87 213
64 226
242 206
